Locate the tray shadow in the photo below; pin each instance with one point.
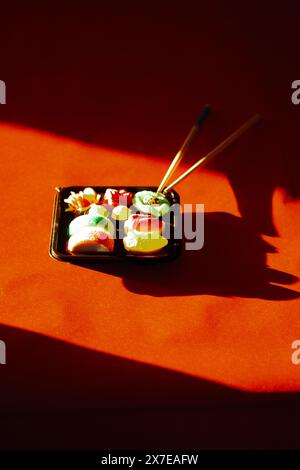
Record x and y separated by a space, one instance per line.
231 263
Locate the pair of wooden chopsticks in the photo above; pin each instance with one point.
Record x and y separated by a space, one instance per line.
206 158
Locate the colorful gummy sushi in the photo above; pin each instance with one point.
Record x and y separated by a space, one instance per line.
101 218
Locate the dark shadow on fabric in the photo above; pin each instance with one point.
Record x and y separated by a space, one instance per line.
232 262
59 395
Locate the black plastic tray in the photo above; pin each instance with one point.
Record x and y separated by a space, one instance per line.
61 220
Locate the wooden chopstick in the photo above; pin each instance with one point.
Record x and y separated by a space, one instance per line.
179 155
216 150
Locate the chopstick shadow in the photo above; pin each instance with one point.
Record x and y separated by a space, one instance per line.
231 263
59 395
259 165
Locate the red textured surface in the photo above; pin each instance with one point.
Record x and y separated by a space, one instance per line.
108 99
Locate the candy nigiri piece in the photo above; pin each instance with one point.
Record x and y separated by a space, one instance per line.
90 240
144 223
144 243
89 220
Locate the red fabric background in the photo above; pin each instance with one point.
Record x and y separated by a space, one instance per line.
105 96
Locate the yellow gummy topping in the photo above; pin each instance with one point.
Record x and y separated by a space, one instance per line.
144 244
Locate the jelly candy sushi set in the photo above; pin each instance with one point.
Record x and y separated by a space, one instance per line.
99 223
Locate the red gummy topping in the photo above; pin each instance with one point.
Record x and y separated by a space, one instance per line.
85 203
116 197
145 222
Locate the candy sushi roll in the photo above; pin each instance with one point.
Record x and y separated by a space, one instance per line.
151 203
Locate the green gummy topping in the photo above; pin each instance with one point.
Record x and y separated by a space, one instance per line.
151 203
89 221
